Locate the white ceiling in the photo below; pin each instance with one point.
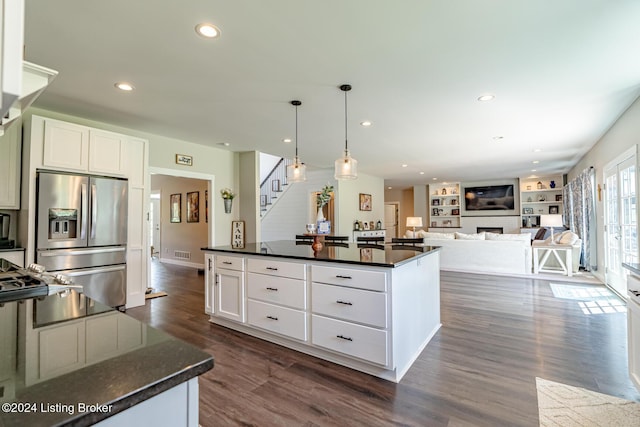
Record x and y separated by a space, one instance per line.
562 72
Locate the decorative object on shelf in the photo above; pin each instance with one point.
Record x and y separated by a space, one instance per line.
365 202
311 228
193 206
356 225
528 222
296 172
324 227
372 225
227 197
551 221
528 187
366 226
175 200
455 211
558 197
454 202
379 225
527 211
182 159
454 191
346 167
322 199
434 211
440 211
435 202
446 223
414 221
553 210
434 223
237 234
444 191
529 199
552 184
542 198
539 185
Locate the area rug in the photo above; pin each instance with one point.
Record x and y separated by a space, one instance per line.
155 295
561 405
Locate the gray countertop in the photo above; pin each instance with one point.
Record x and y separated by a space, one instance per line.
634 267
349 253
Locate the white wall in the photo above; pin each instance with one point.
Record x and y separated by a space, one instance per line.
267 163
623 135
249 195
421 203
162 151
293 209
348 202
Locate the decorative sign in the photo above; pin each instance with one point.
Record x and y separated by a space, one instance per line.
237 234
183 159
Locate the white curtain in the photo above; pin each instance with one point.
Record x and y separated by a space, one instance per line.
580 214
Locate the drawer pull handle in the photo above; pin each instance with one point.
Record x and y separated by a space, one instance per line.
272 318
272 289
227 262
344 302
343 277
342 337
272 268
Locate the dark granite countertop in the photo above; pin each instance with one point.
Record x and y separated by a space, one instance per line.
155 364
350 253
634 267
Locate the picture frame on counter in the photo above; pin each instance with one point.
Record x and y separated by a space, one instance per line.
183 159
193 206
237 234
175 200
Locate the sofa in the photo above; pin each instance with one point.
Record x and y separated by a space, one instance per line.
481 252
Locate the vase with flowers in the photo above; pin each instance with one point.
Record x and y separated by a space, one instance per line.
227 197
322 199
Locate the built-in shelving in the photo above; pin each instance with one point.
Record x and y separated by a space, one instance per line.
444 205
539 196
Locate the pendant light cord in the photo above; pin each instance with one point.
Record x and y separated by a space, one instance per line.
346 146
296 131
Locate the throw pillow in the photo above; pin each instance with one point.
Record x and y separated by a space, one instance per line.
521 237
568 238
475 236
441 236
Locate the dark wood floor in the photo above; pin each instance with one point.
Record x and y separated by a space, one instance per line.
498 335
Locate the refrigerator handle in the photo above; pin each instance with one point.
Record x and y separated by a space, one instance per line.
84 207
94 211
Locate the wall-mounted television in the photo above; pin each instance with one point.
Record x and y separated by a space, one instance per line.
489 198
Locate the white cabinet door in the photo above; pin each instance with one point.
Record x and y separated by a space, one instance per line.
10 150
66 146
209 283
62 349
229 297
107 153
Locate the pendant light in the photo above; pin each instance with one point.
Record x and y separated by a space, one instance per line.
346 167
296 172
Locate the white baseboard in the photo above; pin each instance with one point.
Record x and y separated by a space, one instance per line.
182 263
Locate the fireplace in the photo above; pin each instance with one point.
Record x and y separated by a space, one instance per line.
498 230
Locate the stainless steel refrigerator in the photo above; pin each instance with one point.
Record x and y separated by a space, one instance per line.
81 231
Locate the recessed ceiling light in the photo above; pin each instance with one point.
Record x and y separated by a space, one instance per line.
421 173
487 97
226 144
537 150
366 123
404 166
498 138
534 170
287 140
209 31
124 86
389 188
535 162
435 179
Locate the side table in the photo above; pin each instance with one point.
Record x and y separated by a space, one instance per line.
566 264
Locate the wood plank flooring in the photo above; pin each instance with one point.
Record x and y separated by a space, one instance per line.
498 334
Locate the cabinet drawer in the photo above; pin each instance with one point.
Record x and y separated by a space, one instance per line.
354 340
350 304
277 268
372 280
230 262
278 290
281 320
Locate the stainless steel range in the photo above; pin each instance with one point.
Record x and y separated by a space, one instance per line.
18 283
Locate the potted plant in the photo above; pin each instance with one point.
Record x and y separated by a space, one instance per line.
227 197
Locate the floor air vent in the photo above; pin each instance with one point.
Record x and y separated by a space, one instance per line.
182 254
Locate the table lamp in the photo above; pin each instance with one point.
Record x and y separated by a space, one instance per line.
414 221
551 221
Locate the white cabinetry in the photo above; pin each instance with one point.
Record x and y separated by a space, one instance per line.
209 284
539 196
229 288
633 329
61 349
444 205
81 149
16 257
10 152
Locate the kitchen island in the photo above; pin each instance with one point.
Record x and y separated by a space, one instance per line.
373 308
66 359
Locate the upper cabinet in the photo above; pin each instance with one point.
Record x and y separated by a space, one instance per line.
78 148
10 150
11 43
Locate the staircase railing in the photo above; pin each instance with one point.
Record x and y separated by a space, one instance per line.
273 185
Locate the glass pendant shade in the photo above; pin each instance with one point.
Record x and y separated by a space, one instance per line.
346 167
296 172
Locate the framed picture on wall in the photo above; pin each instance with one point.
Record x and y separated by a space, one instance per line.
175 200
455 211
558 197
553 210
237 234
193 206
365 202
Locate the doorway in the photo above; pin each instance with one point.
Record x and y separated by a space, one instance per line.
391 220
154 224
621 227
